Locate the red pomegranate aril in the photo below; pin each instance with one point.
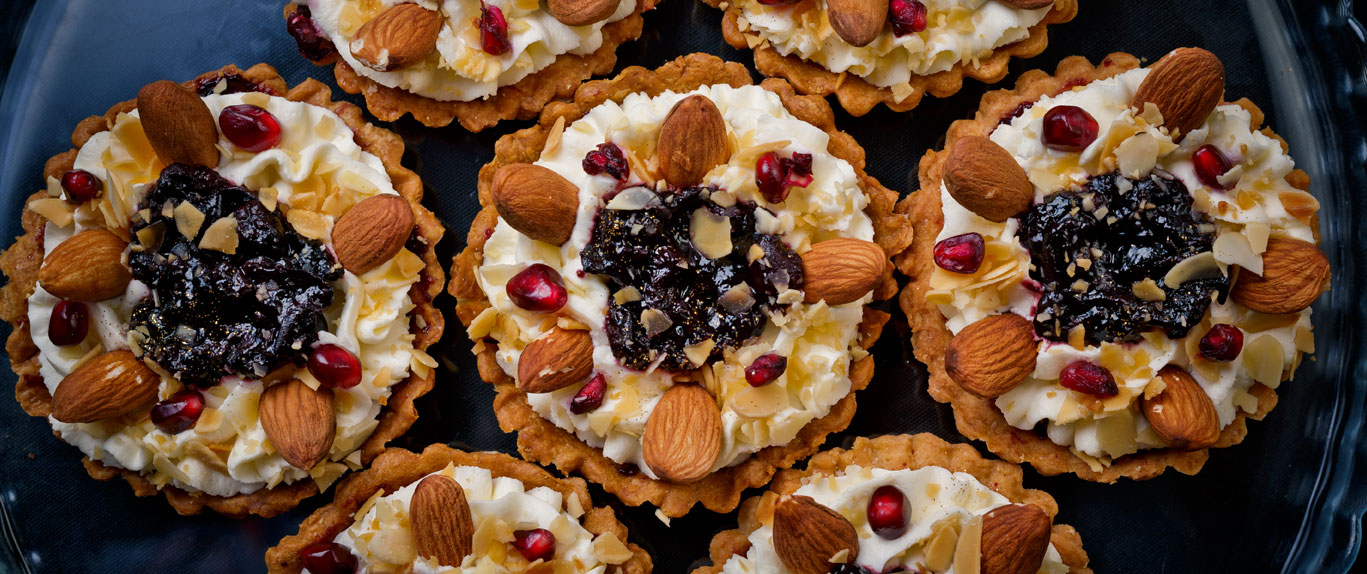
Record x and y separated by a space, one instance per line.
334 366
590 397
769 177
328 558
609 159
249 127
1222 343
766 369
906 17
178 412
1211 163
1069 128
538 288
80 186
888 512
535 545
1088 378
493 30
69 323
961 253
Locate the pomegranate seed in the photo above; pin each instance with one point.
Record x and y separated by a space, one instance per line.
609 159
769 177
961 253
765 369
69 323
1069 128
328 558
1222 343
178 412
313 43
1016 113
907 17
538 288
249 127
589 398
493 30
334 366
80 186
888 512
1210 164
535 545
1088 378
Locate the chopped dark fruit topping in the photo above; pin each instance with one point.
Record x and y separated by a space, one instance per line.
178 412
690 277
1211 163
1016 113
328 558
961 253
535 545
69 323
1101 254
906 17
609 159
232 83
249 127
766 369
493 30
590 397
80 186
1069 128
888 512
1088 378
313 43
218 309
538 288
334 366
776 176
1222 343
848 568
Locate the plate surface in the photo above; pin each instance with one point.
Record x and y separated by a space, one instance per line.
1288 499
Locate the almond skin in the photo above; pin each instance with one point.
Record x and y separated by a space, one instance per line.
807 535
557 360
109 385
372 232
692 141
1186 85
683 434
87 266
1182 415
1295 272
300 421
397 38
985 179
1015 539
857 22
992 355
536 201
1027 4
178 124
440 516
841 270
581 12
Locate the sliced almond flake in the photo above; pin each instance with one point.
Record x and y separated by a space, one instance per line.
1265 360
626 295
655 321
1233 249
662 517
553 138
221 236
1231 177
269 197
737 299
968 550
1077 337
570 324
710 233
310 224
1154 388
1199 266
150 237
634 198
900 91
189 219
1148 290
1305 340
698 353
939 551
56 210
1257 233
609 550
755 253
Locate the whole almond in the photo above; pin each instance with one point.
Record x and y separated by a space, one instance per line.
807 535
440 516
1015 539
1027 4
1186 85
992 355
536 201
398 37
858 22
683 434
300 421
178 124
692 141
1295 273
581 12
841 270
109 385
985 179
87 266
557 360
1182 414
372 232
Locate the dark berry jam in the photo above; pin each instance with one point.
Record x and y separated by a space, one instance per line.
232 84
213 314
313 43
1089 247
651 250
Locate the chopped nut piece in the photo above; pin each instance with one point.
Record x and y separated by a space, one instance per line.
710 233
189 219
221 236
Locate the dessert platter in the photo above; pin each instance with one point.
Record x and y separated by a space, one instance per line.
713 286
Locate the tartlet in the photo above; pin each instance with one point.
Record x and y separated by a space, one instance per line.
898 503
473 62
540 310
1120 310
446 510
214 347
868 52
